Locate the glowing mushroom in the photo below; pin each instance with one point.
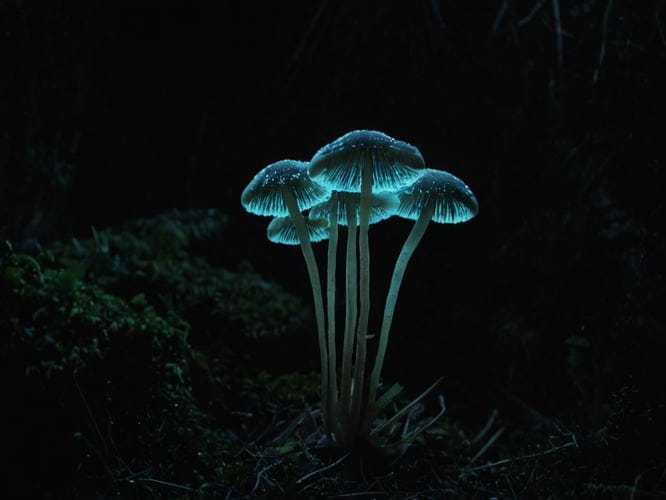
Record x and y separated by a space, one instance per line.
364 161
383 206
281 189
282 230
437 196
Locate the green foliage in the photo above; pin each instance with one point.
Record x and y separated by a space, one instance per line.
120 346
152 257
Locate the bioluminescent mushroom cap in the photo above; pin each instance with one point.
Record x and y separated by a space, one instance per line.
282 230
452 200
384 205
264 195
339 165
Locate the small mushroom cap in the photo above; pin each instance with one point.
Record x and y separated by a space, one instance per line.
453 201
383 206
282 230
339 165
264 194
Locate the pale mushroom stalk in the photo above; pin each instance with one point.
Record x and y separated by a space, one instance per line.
330 299
364 295
438 196
361 161
412 241
383 206
351 313
315 282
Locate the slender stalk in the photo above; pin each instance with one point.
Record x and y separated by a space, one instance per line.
406 252
351 314
364 294
330 299
315 282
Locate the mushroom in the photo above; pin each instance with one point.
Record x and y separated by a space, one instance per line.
438 196
364 161
282 230
383 206
281 189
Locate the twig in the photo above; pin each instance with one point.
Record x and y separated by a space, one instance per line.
405 409
558 30
312 414
90 414
287 431
136 475
485 428
359 494
500 15
421 429
602 49
263 433
103 444
418 494
532 13
508 481
116 452
407 438
488 444
323 469
163 483
261 473
524 457
563 432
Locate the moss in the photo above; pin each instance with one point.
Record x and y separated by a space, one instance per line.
157 259
112 392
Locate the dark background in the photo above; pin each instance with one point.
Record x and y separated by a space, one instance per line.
552 297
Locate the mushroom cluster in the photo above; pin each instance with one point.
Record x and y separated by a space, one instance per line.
361 178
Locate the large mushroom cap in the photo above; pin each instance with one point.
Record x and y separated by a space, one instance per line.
452 201
264 195
282 230
339 165
383 205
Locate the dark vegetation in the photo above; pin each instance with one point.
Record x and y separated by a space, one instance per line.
156 345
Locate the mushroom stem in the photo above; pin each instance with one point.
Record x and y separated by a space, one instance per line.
364 295
351 313
406 252
315 282
330 302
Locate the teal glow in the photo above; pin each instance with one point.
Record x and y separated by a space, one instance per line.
384 205
282 230
452 200
264 194
339 165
